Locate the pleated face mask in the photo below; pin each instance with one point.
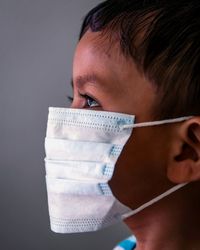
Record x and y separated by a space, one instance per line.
82 147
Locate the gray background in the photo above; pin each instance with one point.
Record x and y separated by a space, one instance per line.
37 42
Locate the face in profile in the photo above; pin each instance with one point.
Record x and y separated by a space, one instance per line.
103 79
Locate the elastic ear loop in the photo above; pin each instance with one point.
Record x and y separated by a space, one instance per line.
151 202
154 123
173 189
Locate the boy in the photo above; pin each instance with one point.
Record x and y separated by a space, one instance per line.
143 58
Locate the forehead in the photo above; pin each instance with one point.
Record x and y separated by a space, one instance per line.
98 55
101 44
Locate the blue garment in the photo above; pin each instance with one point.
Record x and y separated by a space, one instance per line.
127 244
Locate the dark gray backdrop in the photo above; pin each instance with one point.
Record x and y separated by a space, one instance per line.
37 42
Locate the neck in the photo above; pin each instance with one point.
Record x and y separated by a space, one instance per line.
172 223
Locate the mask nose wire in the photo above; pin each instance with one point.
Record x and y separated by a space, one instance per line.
154 123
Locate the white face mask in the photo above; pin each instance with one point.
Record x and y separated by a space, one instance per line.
82 147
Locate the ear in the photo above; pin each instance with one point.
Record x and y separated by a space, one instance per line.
184 157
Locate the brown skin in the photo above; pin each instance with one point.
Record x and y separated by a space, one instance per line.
154 159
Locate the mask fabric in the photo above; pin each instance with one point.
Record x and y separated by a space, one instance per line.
82 147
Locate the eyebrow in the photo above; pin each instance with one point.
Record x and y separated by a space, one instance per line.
82 80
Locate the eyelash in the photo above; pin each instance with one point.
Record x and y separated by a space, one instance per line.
86 97
70 98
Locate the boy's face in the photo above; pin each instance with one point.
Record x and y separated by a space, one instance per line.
101 72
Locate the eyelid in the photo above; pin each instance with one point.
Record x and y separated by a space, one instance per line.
83 95
70 98
90 96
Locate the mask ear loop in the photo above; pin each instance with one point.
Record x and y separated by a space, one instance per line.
156 199
154 123
173 189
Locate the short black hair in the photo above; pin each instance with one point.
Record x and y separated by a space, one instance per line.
163 39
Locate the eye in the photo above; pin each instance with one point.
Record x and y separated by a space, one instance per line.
90 102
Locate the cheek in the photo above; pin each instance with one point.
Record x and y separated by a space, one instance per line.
139 171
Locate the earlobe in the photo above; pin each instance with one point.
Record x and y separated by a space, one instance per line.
184 163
